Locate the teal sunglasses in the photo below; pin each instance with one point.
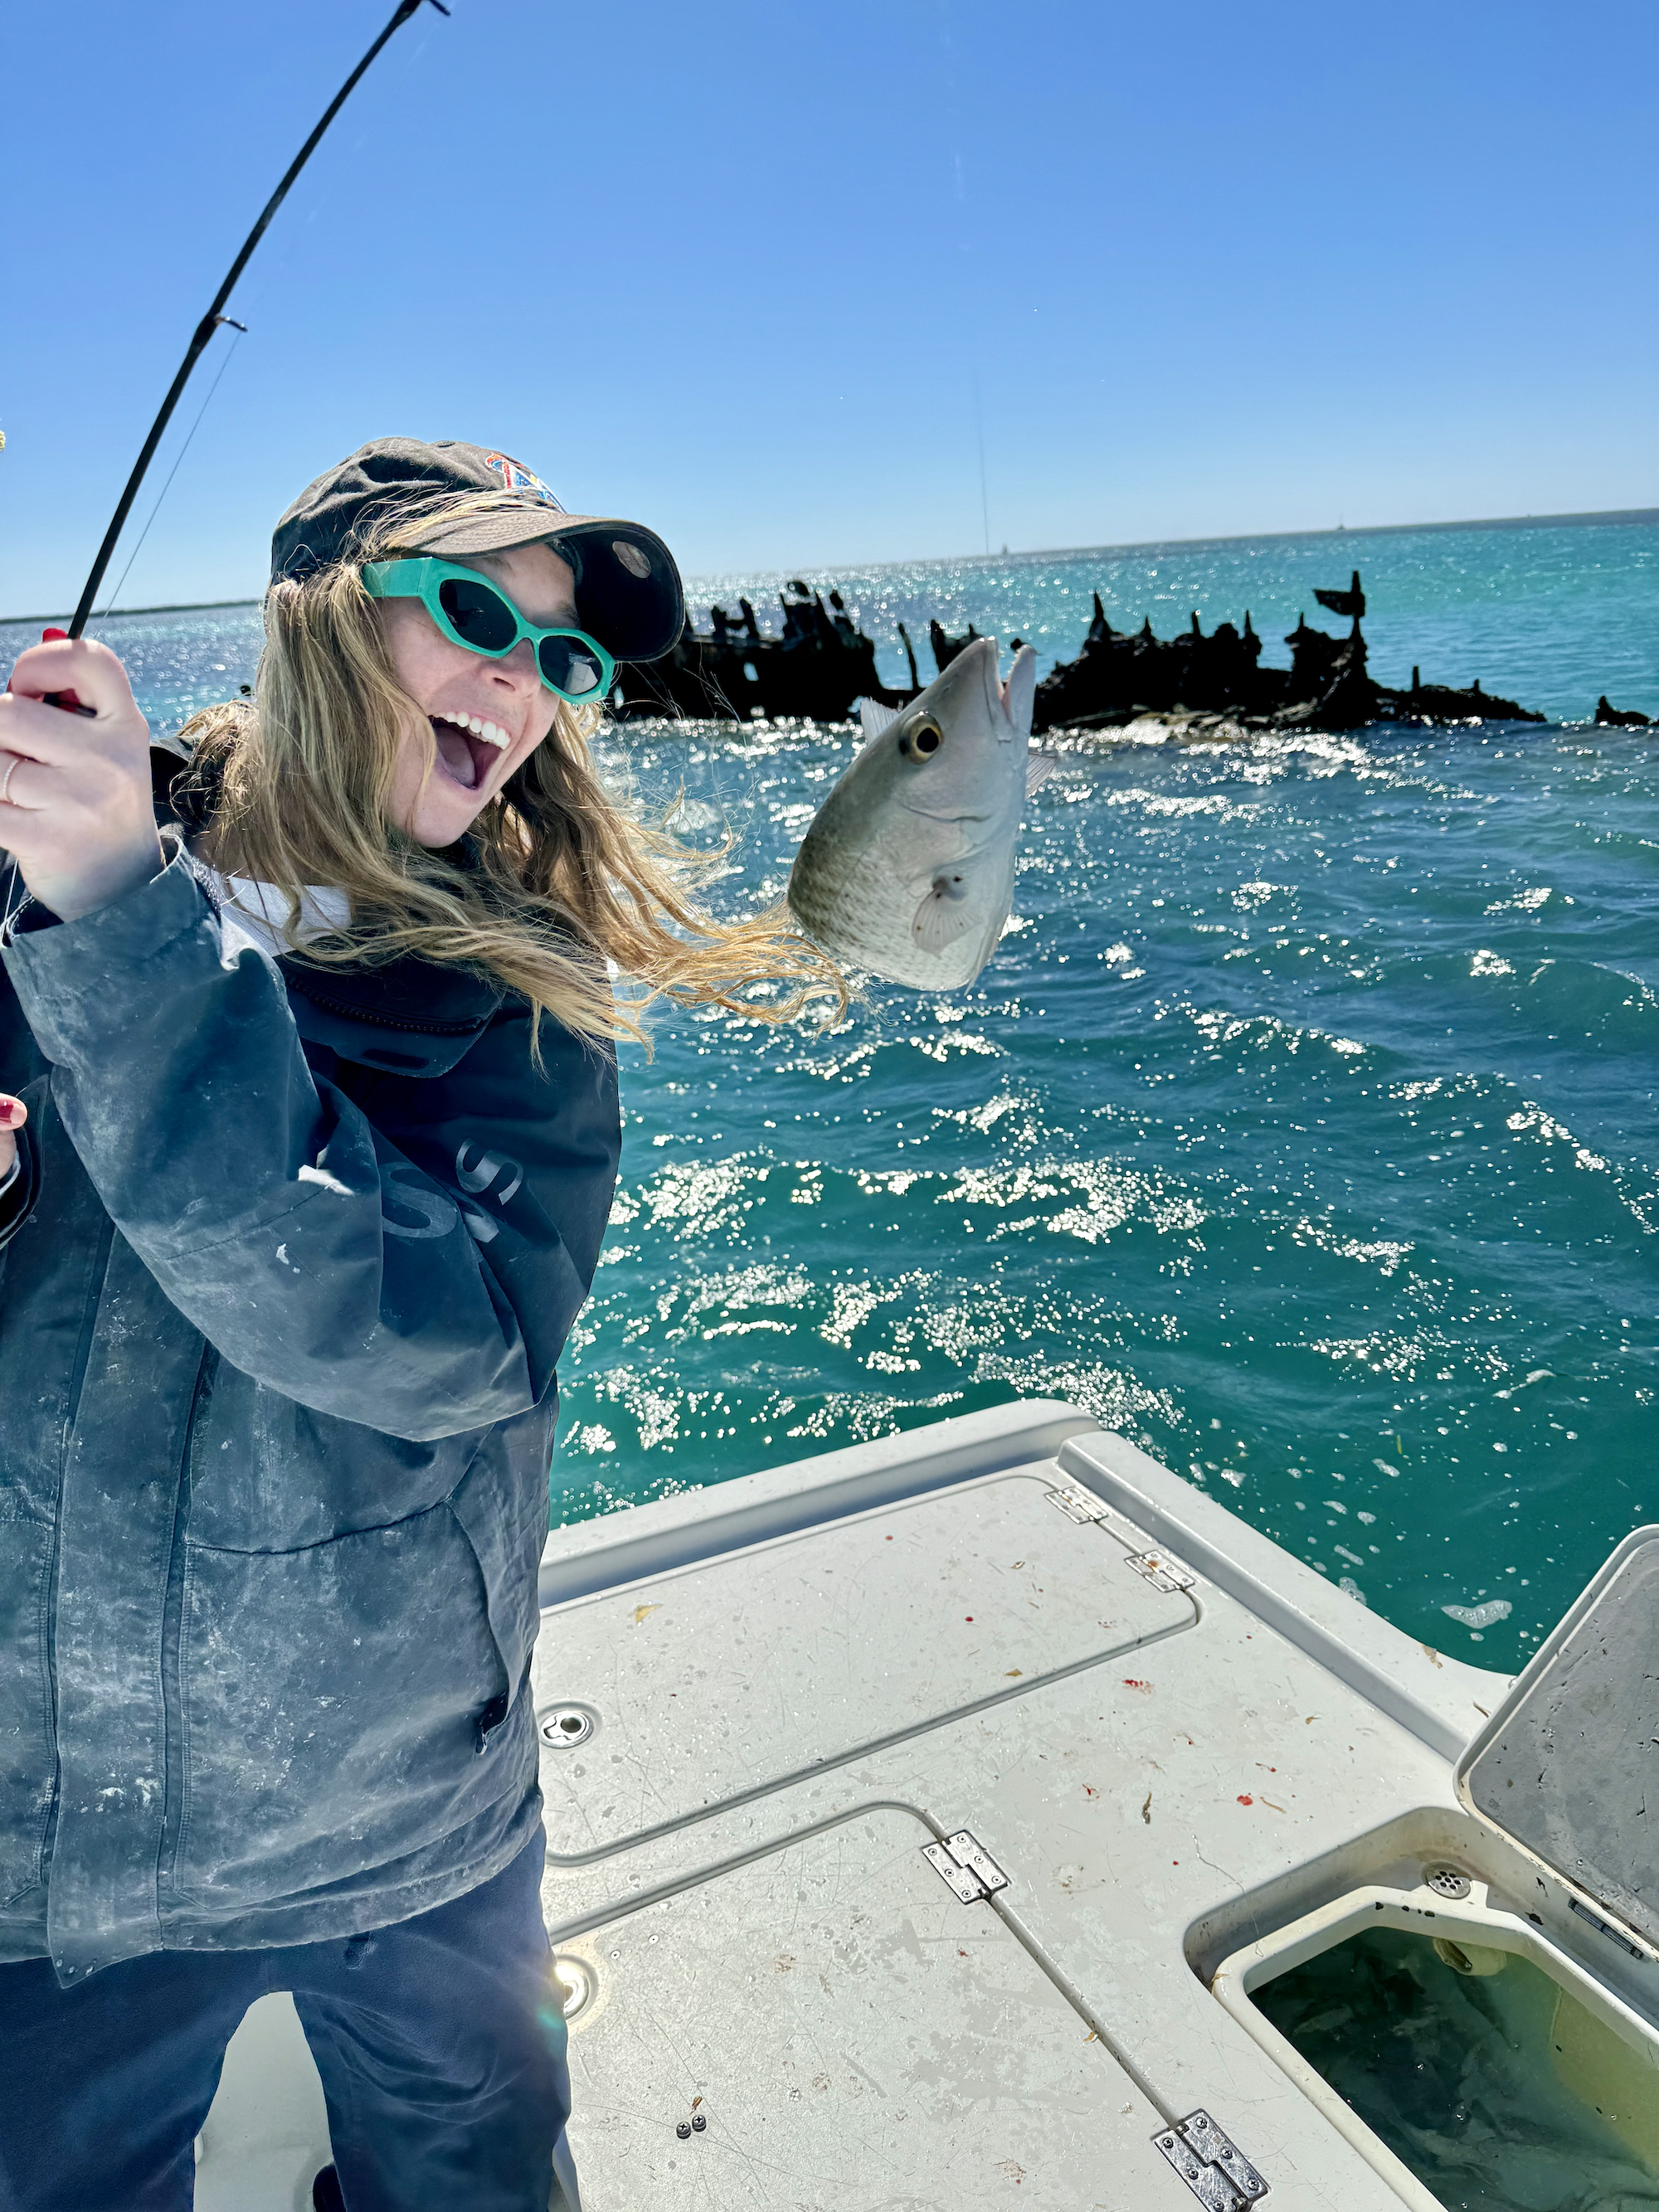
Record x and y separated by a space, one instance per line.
470 611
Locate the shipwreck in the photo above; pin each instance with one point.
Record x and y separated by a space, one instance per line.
822 664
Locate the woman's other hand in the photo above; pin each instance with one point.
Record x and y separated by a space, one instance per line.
77 816
13 1114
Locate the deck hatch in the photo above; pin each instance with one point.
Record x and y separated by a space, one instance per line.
855 2037
730 1677
1568 1765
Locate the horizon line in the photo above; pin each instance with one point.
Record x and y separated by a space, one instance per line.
1624 515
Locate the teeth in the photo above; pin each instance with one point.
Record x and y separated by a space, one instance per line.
475 724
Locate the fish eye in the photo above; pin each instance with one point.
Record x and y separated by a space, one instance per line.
922 739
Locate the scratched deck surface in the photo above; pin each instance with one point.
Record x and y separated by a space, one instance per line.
787 1708
739 1675
780 1958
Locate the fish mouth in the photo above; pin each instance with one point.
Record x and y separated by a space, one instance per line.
981 654
996 694
984 650
467 758
999 695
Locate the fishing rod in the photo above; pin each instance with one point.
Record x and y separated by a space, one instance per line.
202 337
216 316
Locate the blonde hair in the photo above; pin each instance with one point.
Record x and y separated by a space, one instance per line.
562 875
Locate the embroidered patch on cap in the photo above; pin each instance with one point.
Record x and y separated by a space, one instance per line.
516 477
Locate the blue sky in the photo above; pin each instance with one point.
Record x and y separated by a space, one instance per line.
757 274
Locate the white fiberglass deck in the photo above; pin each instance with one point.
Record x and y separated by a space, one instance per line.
768 1704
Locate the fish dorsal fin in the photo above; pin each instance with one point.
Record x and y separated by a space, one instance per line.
876 718
944 914
1039 766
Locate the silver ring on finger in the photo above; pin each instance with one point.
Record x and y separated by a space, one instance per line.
13 762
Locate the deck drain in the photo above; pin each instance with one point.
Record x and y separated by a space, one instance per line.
573 1978
563 1727
1446 1882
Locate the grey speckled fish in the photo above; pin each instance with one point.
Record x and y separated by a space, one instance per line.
907 869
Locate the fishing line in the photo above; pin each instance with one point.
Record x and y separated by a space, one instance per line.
241 332
203 334
978 431
14 904
200 339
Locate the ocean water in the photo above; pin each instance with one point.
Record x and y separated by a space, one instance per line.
1548 613
1302 1127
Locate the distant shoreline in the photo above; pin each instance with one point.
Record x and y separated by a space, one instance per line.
1627 515
1339 533
1614 514
181 607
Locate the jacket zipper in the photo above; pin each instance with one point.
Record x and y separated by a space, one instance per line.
172 1615
82 1354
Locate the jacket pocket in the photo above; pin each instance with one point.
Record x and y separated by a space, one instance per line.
268 1474
334 1699
27 1755
501 1507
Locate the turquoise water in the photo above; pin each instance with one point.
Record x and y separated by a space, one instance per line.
1302 1127
1549 614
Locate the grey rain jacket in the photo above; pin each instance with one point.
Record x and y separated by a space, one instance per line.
282 1288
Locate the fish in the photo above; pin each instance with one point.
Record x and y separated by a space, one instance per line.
907 870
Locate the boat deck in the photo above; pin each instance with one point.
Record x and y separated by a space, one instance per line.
800 1727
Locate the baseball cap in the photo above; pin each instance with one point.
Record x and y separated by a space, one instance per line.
628 594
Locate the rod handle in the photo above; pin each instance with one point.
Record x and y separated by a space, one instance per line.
65 700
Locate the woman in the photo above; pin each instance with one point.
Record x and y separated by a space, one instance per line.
311 1128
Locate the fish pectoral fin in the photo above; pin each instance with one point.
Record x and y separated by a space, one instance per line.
1039 766
944 914
875 718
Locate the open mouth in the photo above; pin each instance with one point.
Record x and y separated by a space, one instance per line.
468 748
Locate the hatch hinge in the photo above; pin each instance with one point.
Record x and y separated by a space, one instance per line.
1078 1503
1161 1571
963 1862
1210 2164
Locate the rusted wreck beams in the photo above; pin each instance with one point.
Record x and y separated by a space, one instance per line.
823 664
1121 675
1612 717
820 667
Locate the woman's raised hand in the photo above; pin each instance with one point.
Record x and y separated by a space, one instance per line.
13 1114
77 814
